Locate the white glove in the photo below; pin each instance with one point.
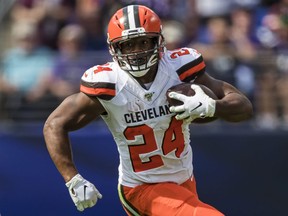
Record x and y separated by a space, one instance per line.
83 193
198 105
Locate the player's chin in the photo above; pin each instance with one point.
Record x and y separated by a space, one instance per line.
204 120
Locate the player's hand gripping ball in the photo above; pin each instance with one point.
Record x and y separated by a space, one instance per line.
192 102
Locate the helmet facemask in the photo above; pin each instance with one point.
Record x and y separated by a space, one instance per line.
137 63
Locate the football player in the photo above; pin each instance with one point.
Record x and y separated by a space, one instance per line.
153 140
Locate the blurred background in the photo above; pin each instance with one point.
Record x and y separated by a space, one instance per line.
45 47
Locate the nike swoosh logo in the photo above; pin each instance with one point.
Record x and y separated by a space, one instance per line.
199 105
85 186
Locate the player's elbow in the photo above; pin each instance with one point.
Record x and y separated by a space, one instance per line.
50 127
248 110
245 114
47 128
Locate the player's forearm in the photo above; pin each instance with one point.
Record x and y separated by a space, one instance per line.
234 107
58 146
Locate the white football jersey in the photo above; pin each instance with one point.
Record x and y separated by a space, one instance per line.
153 145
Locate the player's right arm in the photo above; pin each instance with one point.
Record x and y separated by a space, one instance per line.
73 113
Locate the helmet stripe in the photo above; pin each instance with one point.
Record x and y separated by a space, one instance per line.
125 18
136 16
131 14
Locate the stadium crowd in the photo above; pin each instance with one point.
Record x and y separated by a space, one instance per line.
46 45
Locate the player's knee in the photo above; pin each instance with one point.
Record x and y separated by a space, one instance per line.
195 207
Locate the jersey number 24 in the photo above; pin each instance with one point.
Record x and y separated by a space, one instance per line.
173 140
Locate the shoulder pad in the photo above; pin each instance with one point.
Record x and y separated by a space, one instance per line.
189 63
99 81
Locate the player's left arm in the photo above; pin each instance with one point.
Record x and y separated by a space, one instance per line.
232 105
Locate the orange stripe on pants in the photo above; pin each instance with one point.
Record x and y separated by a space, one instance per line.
169 199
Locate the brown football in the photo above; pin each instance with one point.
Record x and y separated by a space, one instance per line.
185 88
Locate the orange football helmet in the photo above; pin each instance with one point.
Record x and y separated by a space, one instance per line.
130 22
